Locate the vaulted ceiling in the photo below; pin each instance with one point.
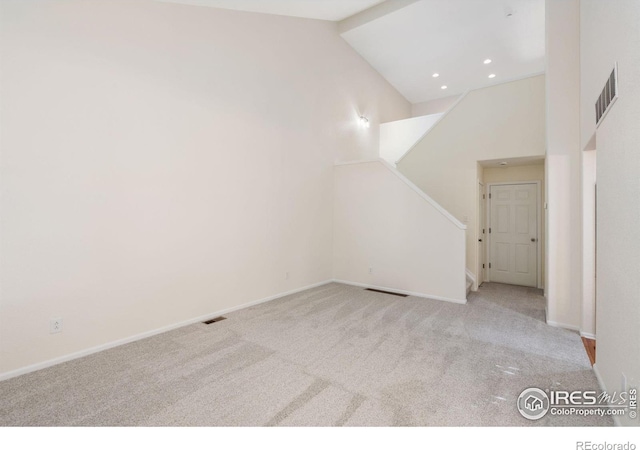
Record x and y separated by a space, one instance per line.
333 10
408 41
453 38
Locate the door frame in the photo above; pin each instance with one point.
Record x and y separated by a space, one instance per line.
482 272
539 230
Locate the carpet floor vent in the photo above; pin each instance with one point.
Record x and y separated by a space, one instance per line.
210 321
386 292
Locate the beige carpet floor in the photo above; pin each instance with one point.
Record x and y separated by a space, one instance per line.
330 356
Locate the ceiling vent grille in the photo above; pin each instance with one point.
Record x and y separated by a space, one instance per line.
608 96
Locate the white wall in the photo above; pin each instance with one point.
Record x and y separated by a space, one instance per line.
609 34
563 286
383 223
396 138
436 106
518 174
502 121
161 162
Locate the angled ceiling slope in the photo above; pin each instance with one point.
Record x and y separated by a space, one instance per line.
452 38
333 10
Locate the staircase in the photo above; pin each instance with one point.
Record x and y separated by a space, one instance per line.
493 123
398 137
389 235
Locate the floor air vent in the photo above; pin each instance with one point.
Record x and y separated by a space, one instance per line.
386 292
210 321
608 96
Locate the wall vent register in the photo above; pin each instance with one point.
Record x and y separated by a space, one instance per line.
210 321
608 96
386 292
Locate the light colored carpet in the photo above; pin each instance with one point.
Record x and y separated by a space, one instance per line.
333 355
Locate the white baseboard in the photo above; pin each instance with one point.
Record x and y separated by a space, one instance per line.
603 387
146 334
399 291
546 310
471 277
588 335
563 325
137 337
599 378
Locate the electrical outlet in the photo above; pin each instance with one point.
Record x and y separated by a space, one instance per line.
55 325
286 275
370 269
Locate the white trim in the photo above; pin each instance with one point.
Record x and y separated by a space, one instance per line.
588 183
490 84
415 188
487 222
400 291
440 119
588 335
563 325
89 351
146 334
603 387
470 276
424 196
481 271
539 230
546 314
599 378
512 80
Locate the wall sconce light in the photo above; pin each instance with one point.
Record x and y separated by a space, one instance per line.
364 122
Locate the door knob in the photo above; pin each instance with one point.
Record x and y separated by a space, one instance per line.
533 239
479 240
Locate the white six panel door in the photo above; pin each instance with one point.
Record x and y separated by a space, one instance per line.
514 234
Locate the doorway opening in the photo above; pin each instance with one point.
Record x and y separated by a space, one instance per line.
513 240
512 248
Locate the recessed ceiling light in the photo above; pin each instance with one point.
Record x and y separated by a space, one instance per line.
487 61
493 75
435 75
443 87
